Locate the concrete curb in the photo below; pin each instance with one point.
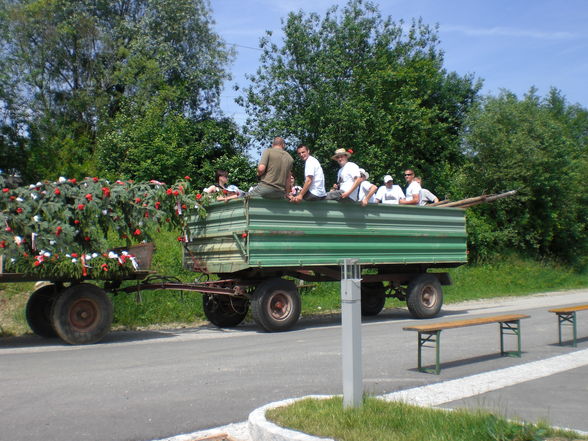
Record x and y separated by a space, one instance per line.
260 429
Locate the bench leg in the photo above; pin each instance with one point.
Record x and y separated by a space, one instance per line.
426 337
512 328
562 319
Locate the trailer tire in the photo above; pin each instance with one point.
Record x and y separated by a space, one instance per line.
424 296
38 311
82 314
276 305
224 311
373 298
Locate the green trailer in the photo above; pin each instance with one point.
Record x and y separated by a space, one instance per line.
260 248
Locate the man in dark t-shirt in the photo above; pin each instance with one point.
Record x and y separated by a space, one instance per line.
274 170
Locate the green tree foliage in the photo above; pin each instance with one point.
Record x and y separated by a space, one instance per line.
353 79
77 74
538 147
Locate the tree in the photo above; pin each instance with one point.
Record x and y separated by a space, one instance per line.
538 147
72 69
359 81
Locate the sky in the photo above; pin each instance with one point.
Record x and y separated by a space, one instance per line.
509 44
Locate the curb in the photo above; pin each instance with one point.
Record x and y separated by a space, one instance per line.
260 429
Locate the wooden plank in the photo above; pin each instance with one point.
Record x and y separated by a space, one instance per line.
569 309
468 322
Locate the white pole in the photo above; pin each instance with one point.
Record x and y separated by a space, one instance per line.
351 333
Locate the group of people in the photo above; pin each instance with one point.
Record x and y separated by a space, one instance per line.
276 181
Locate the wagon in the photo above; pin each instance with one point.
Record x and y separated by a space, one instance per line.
256 252
258 248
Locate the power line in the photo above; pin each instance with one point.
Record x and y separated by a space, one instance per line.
246 47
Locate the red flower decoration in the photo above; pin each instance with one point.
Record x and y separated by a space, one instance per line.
180 238
244 235
12 197
105 192
37 263
8 229
19 210
6 190
74 254
3 244
88 196
146 214
157 205
168 191
104 267
95 179
57 191
137 200
176 192
76 222
198 196
86 238
225 191
137 232
73 181
59 230
81 206
187 178
350 151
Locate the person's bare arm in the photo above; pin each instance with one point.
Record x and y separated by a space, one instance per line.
305 187
366 199
356 184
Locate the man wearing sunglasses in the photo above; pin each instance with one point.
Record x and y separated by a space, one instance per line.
413 189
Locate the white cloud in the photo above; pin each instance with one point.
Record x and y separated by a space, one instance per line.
510 32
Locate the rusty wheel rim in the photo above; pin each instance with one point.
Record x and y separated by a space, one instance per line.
429 297
83 314
280 306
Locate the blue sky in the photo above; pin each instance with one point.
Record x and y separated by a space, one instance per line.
511 45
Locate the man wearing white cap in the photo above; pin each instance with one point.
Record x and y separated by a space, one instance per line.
389 193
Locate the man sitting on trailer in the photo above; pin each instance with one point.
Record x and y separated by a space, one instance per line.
389 193
314 182
348 178
274 171
413 189
426 197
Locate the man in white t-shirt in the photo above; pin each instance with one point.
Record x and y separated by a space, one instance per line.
366 189
314 183
413 190
389 193
348 178
426 197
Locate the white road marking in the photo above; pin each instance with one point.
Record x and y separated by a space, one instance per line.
452 390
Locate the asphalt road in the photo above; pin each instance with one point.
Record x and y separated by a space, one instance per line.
155 384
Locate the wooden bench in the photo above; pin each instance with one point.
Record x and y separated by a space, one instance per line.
567 315
509 324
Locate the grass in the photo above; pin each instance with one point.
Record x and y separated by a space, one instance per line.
507 277
395 421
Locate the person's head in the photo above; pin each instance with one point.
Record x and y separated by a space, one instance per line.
388 181
279 142
409 175
363 174
303 152
418 180
221 177
341 156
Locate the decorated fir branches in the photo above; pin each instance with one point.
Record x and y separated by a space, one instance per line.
60 229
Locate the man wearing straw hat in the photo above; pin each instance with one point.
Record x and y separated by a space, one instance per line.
348 178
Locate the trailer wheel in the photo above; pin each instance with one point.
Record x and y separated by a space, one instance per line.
224 311
424 296
82 314
276 305
38 311
373 298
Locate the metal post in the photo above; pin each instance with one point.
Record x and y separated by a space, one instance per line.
351 332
